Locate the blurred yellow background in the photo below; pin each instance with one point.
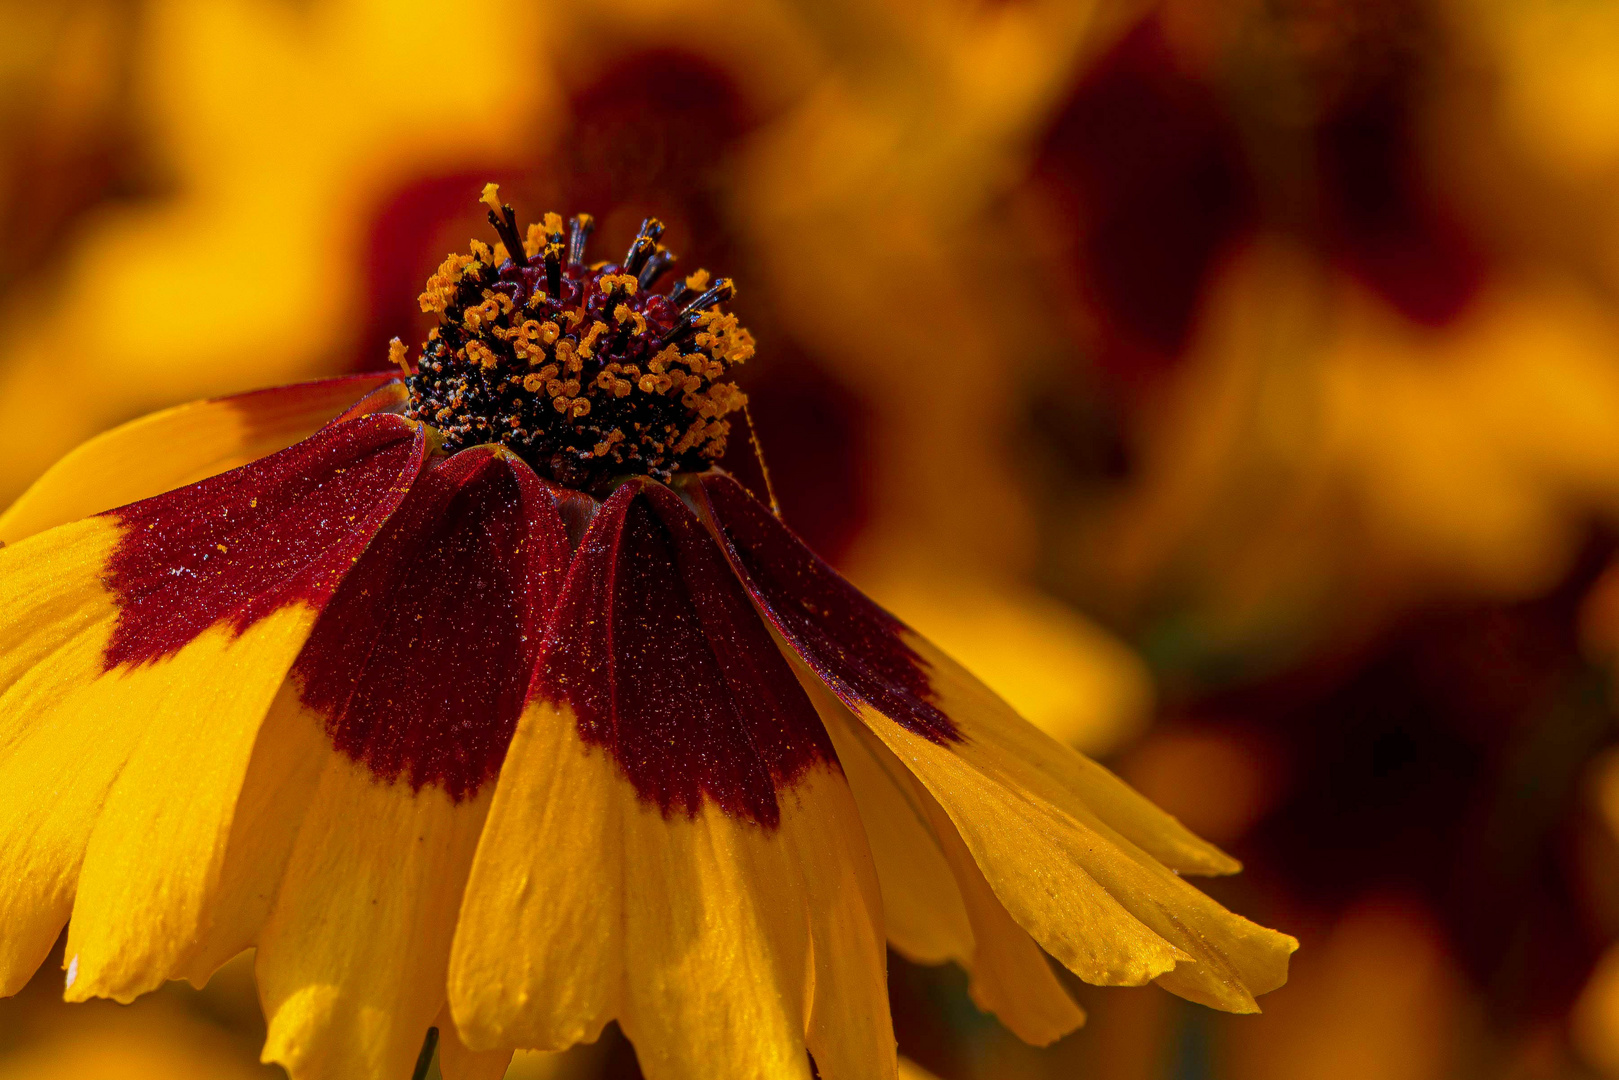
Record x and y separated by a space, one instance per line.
1234 384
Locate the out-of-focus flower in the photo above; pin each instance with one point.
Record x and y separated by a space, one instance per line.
910 1070
1345 393
67 139
1383 999
1595 1021
154 1042
1319 447
270 708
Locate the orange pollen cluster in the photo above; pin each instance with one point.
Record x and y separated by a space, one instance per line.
583 370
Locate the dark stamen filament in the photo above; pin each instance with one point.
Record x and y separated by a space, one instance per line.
553 269
506 227
578 235
718 293
656 267
642 247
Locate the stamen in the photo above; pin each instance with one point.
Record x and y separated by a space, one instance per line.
721 291
578 236
506 226
696 281
642 247
662 259
553 269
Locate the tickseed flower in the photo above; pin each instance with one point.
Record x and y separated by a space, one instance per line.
486 702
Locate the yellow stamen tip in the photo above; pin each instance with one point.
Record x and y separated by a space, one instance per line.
491 197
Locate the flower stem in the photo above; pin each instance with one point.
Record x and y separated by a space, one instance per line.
425 1058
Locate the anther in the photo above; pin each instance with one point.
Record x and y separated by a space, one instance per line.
578 236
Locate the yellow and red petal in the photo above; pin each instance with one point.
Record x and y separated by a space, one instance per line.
672 842
181 446
150 641
405 696
1088 867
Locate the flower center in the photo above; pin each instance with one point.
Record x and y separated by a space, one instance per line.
581 370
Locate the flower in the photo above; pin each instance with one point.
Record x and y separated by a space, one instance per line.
311 266
488 699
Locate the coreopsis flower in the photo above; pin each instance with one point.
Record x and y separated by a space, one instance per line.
487 701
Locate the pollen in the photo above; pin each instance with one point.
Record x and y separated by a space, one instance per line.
586 372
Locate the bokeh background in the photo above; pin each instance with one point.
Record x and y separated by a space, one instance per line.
1234 384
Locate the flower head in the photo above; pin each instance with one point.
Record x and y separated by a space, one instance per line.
582 371
463 711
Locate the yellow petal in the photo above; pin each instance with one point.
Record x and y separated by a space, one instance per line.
156 848
55 618
1063 870
456 1062
176 447
814 608
936 904
672 843
923 912
351 962
408 687
281 780
723 948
